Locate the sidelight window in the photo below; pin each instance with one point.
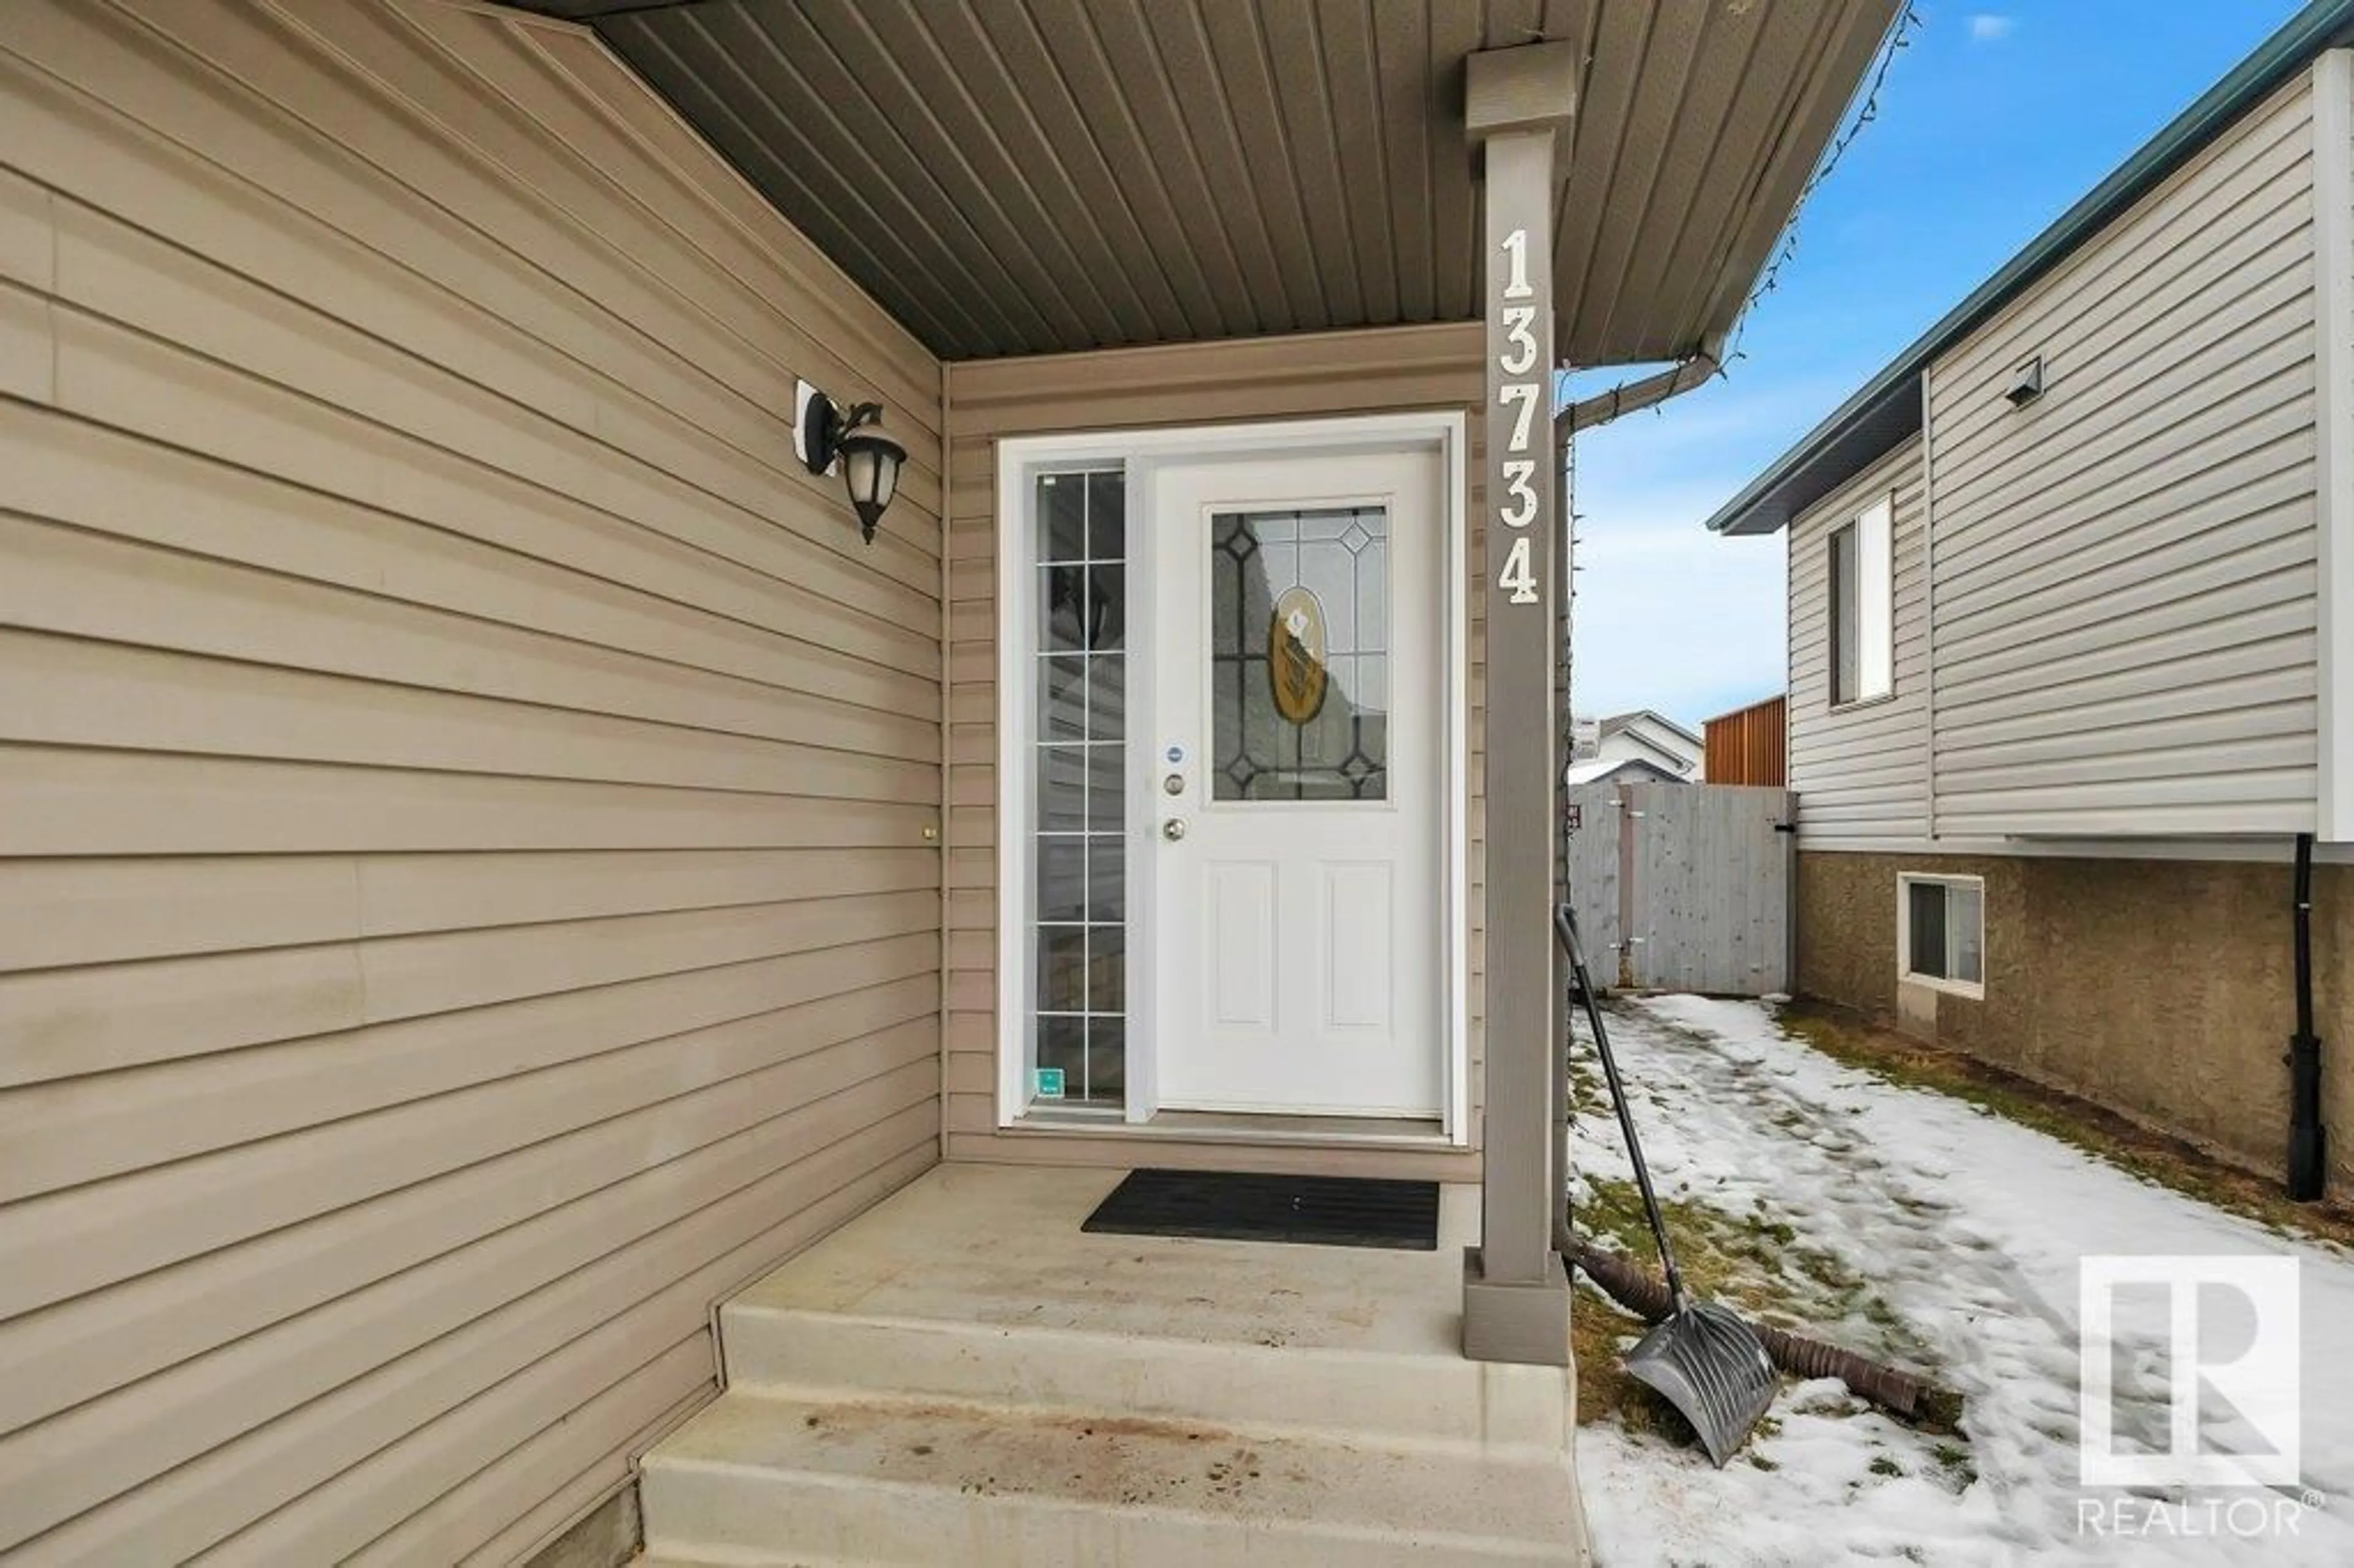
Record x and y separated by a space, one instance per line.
1081 908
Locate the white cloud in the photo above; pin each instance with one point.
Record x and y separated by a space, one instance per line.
1990 27
1671 617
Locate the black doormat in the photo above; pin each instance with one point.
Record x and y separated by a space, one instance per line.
1227 1205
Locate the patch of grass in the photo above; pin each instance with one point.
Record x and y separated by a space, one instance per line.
1753 1260
1839 1405
1885 1465
1954 1466
1588 1095
1852 1040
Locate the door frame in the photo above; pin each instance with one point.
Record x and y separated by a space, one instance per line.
1019 459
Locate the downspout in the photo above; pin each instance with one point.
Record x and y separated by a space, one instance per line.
2307 1160
1584 415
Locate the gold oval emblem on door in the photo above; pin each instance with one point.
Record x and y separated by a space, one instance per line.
1294 654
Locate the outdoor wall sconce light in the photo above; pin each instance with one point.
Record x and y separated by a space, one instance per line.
2026 384
870 460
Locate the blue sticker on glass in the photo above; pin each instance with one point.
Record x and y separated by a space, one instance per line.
1050 1083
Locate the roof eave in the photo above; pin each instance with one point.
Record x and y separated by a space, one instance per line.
1879 418
1840 446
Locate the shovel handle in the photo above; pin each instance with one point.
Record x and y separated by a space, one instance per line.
1565 925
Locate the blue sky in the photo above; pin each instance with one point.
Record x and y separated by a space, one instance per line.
1993 120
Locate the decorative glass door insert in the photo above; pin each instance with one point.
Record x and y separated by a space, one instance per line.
1299 622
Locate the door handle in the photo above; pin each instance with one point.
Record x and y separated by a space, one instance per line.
1174 829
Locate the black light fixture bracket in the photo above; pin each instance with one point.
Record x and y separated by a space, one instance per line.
870 460
824 423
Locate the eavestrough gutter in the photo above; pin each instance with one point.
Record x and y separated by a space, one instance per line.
1648 393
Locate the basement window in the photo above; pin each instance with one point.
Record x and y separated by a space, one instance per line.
1863 606
1941 932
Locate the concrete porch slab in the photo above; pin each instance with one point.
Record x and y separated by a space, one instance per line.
1002 1246
964 1363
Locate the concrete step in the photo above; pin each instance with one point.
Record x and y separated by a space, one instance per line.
772 1480
1385 1395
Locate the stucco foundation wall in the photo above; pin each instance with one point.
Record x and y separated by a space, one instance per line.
2159 988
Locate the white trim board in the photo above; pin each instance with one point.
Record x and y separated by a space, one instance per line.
1017 459
1928 439
1215 1127
2273 850
2333 244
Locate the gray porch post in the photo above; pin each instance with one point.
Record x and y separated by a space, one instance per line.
1517 105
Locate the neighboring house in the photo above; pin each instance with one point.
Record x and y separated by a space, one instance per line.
1627 769
492 865
1646 737
2071 637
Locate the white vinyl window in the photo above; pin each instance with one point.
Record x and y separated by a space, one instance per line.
1941 932
1863 606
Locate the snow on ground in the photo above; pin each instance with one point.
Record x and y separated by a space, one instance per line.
1971 1228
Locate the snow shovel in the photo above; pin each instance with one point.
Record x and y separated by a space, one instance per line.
1701 1358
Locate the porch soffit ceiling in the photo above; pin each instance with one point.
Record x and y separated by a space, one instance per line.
1025 176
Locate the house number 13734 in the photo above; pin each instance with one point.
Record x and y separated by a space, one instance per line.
1516 507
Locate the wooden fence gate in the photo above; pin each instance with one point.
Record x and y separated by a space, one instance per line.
1683 886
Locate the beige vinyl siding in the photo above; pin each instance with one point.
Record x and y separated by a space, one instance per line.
465 902
1329 374
2125 580
1862 770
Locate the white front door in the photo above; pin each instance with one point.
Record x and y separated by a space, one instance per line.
1297 729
